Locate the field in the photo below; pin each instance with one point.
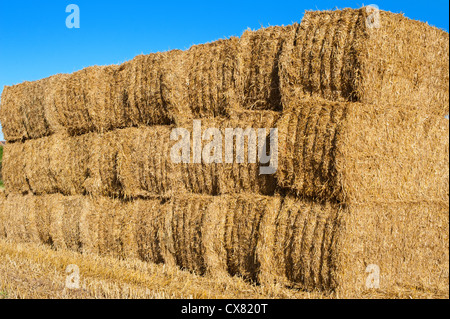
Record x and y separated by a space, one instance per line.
347 118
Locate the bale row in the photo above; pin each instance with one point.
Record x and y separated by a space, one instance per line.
154 89
361 55
335 55
337 151
354 153
265 239
136 162
139 92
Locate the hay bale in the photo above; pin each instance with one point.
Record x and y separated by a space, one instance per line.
259 52
149 231
54 164
43 217
2 217
217 234
70 225
112 240
24 113
13 168
354 152
243 232
296 244
245 177
84 100
337 55
144 167
132 162
18 218
328 247
186 228
152 88
213 235
10 114
212 72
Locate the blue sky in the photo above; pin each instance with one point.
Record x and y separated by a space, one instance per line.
35 42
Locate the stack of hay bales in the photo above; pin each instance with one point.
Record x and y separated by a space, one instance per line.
363 173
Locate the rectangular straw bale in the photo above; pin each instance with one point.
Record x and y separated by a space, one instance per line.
13 168
295 248
412 60
17 218
70 226
234 177
313 62
328 247
144 167
152 88
354 152
11 115
56 219
212 74
54 164
44 206
243 231
259 52
115 228
101 170
103 98
150 217
187 215
339 55
23 112
91 100
217 234
72 103
2 217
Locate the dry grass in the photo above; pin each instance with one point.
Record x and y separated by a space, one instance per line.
36 271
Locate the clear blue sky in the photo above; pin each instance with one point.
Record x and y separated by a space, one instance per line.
35 43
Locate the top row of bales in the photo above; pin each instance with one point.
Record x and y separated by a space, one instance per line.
336 55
